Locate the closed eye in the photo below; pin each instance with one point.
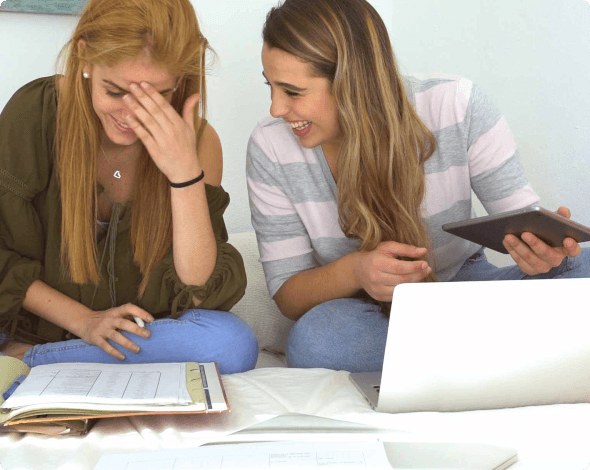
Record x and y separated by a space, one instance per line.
115 94
292 94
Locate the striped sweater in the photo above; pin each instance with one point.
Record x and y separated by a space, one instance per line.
293 193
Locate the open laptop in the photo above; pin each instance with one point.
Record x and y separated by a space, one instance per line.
457 346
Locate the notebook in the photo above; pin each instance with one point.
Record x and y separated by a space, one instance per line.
58 399
458 346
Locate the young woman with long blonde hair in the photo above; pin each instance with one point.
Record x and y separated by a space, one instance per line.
111 203
356 171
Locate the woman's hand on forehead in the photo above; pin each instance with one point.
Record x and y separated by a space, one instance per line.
169 138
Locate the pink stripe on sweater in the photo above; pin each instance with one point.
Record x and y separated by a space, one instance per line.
444 189
519 199
491 149
272 251
444 105
280 136
320 219
269 200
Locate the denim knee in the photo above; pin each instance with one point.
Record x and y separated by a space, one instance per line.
342 334
231 340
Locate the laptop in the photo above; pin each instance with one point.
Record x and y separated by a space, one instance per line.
459 346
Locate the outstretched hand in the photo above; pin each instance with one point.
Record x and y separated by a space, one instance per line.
380 270
169 138
104 325
534 256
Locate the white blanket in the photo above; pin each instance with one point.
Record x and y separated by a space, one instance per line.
546 437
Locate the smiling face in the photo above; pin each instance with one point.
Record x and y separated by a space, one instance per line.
110 84
300 98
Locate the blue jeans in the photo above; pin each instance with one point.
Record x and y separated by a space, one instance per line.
350 334
197 336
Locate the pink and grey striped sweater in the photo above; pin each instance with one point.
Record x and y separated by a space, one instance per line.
293 193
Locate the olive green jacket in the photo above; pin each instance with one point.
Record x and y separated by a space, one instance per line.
30 240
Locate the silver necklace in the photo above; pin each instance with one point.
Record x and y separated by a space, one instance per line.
117 173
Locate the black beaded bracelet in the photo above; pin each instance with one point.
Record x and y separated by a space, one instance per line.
188 183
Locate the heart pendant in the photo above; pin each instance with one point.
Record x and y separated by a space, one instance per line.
117 174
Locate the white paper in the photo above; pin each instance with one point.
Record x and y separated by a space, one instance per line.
349 455
156 384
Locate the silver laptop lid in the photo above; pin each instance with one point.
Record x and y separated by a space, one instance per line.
483 345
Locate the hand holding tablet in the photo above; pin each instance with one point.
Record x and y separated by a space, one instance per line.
491 230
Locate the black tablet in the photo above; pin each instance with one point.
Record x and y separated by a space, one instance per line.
490 230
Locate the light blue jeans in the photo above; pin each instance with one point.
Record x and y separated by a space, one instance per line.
350 334
197 336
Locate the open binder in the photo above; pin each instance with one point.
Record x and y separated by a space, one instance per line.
42 407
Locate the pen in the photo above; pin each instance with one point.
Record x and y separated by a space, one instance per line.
10 390
139 321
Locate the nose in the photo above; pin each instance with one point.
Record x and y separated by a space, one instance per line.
278 106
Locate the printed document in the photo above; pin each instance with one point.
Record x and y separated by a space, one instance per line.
350 455
121 384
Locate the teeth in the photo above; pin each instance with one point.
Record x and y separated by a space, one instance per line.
300 125
122 124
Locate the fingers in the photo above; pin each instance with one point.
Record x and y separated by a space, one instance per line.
107 325
128 324
401 249
138 312
378 272
118 338
106 347
188 112
142 133
571 248
149 106
533 255
564 212
395 267
149 117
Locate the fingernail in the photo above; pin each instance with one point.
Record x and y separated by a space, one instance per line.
128 118
145 334
121 357
137 349
134 87
127 97
144 85
424 265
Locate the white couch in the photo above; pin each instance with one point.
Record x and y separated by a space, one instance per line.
546 437
257 308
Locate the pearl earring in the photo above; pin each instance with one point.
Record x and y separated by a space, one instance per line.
86 75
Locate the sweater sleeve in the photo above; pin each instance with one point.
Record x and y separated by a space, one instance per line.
227 284
27 131
283 241
497 176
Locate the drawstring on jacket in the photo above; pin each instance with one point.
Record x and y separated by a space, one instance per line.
110 244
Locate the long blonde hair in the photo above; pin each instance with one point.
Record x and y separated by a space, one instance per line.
115 31
380 164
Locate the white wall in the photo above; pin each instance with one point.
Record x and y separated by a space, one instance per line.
531 56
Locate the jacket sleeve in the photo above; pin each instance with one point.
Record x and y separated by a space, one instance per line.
227 283
27 132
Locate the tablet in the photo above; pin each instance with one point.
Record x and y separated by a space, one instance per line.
490 230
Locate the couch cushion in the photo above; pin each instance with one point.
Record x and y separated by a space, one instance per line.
256 307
